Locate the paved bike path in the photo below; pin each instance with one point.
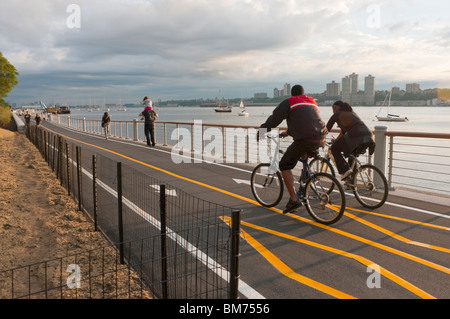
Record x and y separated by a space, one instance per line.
290 256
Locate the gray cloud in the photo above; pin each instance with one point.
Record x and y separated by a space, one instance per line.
190 49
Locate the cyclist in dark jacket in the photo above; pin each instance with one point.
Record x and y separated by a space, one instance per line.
306 128
353 134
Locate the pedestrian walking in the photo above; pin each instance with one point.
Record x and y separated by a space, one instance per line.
105 123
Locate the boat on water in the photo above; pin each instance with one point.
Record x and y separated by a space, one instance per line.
390 117
218 106
242 109
64 110
223 109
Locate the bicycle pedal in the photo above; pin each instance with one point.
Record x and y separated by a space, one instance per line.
348 186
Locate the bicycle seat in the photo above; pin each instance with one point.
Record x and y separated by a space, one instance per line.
361 149
313 153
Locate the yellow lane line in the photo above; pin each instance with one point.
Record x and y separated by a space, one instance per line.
377 245
286 270
396 236
281 267
343 233
411 221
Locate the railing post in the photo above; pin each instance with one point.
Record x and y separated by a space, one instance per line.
380 150
391 159
234 267
162 206
165 135
135 130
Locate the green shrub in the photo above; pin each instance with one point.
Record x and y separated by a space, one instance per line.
5 115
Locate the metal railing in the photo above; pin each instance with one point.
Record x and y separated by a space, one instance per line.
419 160
402 156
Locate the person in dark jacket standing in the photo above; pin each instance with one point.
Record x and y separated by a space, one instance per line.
306 128
106 119
37 118
353 134
149 127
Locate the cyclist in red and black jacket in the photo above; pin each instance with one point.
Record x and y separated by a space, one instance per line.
306 128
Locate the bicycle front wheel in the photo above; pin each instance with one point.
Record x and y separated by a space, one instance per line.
324 198
266 188
370 186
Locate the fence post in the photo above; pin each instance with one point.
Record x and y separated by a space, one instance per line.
60 159
68 168
234 267
162 206
380 150
119 199
78 154
58 162
53 153
94 189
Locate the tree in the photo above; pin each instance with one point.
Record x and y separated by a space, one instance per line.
8 78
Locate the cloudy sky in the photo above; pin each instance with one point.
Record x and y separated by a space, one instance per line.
76 50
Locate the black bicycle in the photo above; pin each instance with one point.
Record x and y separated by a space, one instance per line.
368 183
321 193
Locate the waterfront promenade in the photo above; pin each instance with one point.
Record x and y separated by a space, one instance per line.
397 251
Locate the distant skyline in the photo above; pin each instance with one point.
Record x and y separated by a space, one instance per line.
122 50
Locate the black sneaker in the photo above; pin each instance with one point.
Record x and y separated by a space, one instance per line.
292 206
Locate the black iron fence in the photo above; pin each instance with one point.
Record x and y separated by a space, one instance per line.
176 244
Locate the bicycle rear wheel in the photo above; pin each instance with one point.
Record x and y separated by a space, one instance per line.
322 165
370 186
324 198
266 188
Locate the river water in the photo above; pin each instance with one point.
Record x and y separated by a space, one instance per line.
420 163
421 119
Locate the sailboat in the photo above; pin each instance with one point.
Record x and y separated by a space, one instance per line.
221 108
390 117
242 109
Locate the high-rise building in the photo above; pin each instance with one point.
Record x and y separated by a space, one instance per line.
346 89
369 90
333 89
287 89
413 88
276 92
354 83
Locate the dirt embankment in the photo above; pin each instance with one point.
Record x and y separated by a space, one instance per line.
38 220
